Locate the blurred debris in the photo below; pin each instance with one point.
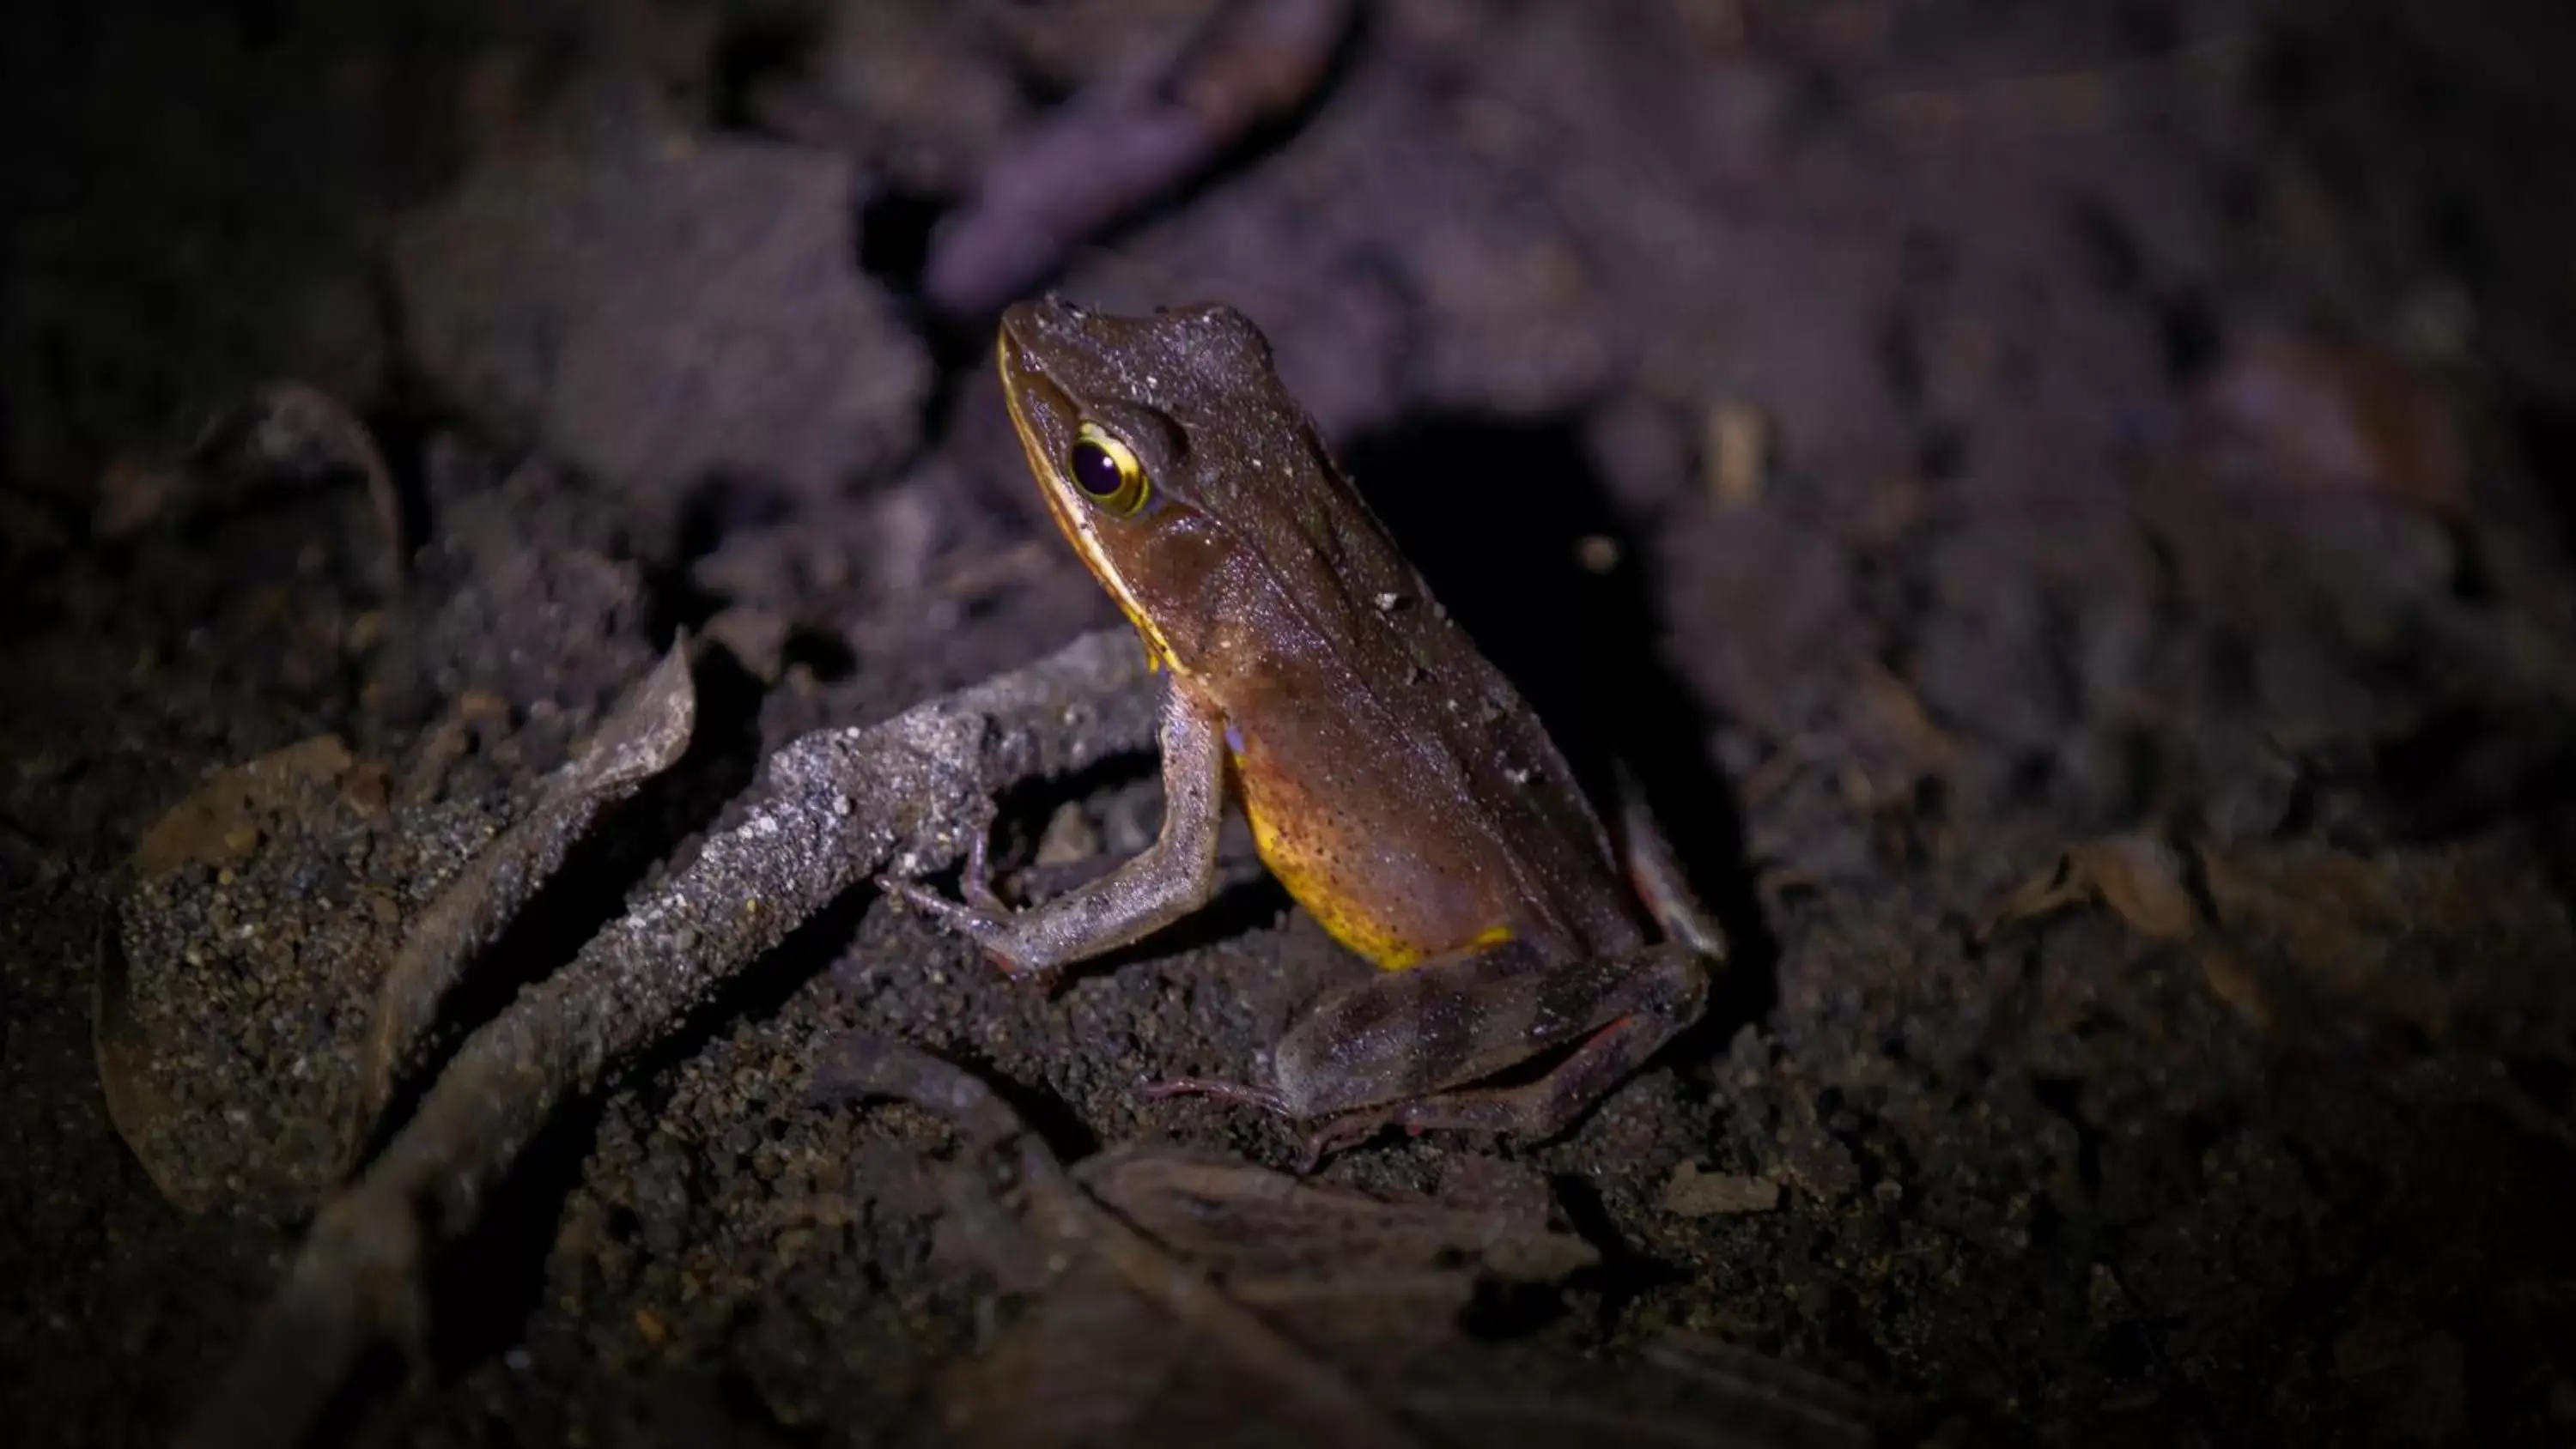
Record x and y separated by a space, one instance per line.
1069 838
1680 1390
755 637
2305 930
664 312
842 806
26 864
909 90
1202 1300
477 721
1127 141
1913 743
1018 1407
2416 1380
2196 79
2226 976
2436 326
2138 877
286 437
2370 936
1717 27
1284 1241
1735 453
2292 412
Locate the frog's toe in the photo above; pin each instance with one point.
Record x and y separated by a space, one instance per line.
1046 974
1235 1092
988 931
975 883
925 900
1341 1134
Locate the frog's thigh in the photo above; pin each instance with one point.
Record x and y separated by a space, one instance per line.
1173 877
1416 1036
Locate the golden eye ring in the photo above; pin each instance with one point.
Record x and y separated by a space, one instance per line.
1106 471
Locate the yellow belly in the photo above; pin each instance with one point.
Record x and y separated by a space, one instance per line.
1347 885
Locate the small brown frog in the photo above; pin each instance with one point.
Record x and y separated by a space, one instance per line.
1396 784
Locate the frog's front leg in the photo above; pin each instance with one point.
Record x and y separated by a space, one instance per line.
1409 1048
1173 877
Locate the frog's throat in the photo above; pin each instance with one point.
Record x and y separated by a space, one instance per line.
1075 521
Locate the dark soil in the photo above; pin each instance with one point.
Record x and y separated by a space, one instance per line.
2164 417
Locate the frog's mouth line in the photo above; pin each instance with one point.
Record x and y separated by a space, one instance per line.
1023 384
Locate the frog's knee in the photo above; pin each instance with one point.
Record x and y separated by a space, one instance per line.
1318 1071
1681 983
1302 1070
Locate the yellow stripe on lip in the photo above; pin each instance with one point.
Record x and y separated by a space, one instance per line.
1073 519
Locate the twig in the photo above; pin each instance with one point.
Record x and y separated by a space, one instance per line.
1339 1412
644 736
1123 143
843 806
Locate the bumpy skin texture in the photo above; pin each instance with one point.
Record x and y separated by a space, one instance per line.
1396 783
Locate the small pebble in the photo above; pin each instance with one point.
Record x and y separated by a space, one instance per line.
1695 1194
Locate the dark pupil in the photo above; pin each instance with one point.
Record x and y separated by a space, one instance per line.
1094 471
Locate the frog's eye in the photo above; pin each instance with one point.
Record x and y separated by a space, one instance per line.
1106 470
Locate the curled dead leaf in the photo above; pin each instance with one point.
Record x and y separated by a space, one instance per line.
2140 878
222 821
2298 413
2369 934
227 1017
220 1006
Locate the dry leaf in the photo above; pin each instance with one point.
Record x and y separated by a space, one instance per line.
2138 877
221 822
2309 415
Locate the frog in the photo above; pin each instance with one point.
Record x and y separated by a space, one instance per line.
1396 784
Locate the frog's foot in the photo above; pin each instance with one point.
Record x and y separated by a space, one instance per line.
997 934
976 883
1175 876
1344 1131
982 916
1240 1095
1529 1111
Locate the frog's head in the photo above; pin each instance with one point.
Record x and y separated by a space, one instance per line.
1164 444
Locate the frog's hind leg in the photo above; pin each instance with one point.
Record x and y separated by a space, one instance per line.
1418 1049
1415 1030
1657 876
